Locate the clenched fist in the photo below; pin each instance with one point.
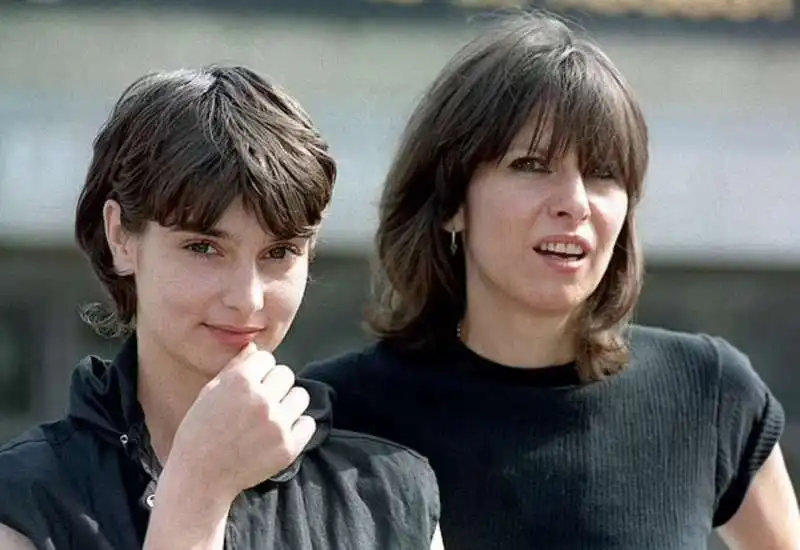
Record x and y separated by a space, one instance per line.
245 426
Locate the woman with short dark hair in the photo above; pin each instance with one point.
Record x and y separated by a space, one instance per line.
199 214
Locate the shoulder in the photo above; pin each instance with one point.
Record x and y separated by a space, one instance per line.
712 369
370 453
377 446
371 382
358 371
33 454
389 491
31 472
343 364
648 343
713 358
392 470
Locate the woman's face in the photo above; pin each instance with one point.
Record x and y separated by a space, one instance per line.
203 297
539 237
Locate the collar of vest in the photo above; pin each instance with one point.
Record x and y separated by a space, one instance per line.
103 395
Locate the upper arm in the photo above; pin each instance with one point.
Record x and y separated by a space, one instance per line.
12 540
768 518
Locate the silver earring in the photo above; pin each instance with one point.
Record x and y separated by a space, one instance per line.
453 243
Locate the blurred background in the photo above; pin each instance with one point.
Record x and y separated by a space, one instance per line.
719 79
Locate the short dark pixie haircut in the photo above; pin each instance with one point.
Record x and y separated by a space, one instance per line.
179 147
527 67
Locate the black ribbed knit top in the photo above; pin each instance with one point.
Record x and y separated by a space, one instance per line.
652 458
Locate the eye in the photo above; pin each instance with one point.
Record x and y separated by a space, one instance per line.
530 164
283 251
603 173
202 248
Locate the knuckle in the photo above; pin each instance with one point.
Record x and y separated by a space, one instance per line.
285 373
301 398
265 411
301 393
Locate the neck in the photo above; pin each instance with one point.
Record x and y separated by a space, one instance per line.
517 338
166 391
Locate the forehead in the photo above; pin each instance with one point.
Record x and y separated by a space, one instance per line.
238 223
538 134
237 214
535 133
595 134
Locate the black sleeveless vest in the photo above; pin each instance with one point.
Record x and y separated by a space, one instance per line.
87 481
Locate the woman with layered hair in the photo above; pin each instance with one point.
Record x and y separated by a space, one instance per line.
508 268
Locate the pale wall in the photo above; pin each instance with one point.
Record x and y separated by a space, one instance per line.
724 115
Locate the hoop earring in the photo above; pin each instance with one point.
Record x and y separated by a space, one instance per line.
453 243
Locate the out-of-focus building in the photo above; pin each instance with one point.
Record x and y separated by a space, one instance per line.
719 81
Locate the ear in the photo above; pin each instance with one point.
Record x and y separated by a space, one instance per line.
456 223
121 243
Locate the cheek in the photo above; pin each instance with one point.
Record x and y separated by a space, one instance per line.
176 292
610 213
285 295
496 211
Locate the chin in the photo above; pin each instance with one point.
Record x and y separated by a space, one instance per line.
556 302
208 358
211 365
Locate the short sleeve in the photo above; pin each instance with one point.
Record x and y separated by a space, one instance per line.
750 421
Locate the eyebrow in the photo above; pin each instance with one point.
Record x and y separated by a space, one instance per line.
223 235
210 232
525 150
218 234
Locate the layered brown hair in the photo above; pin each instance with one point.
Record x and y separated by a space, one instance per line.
526 66
178 148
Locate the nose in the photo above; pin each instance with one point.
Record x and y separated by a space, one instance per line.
570 198
244 290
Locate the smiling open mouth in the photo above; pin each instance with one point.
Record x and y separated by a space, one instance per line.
562 251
